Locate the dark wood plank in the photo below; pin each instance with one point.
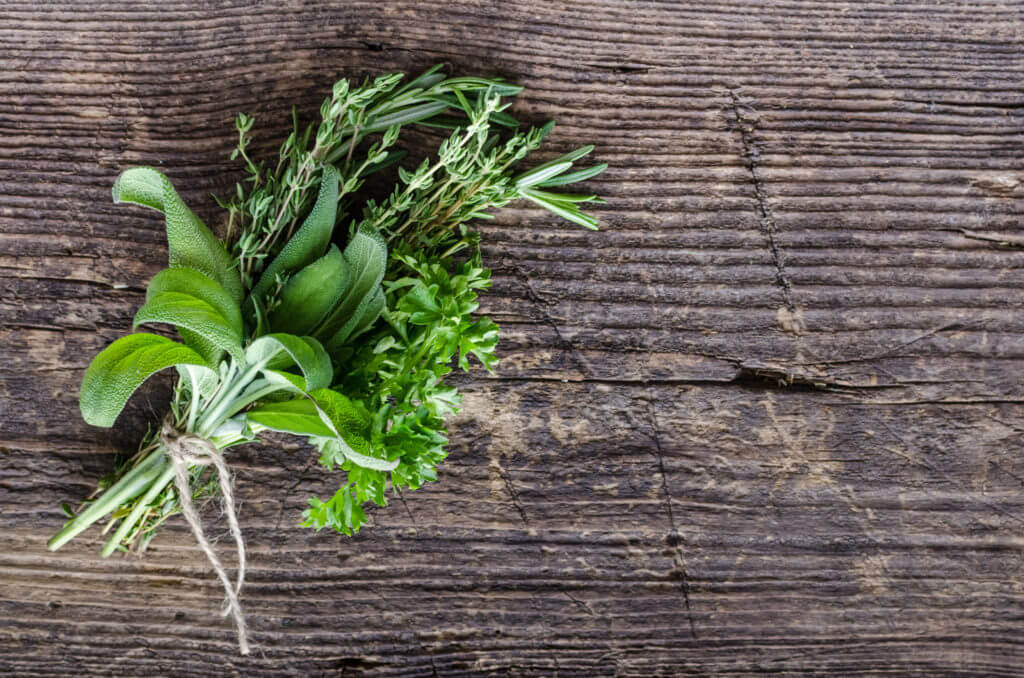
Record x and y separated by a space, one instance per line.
766 421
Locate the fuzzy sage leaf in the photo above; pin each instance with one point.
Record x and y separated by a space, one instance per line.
277 351
310 242
366 255
190 310
190 243
191 282
122 367
311 294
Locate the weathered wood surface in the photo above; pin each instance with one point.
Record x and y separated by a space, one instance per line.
767 420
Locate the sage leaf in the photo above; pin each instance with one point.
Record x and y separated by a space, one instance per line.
366 255
369 315
362 317
286 381
310 242
351 423
210 351
204 379
310 294
190 281
190 243
122 367
333 423
300 416
190 312
280 350
235 429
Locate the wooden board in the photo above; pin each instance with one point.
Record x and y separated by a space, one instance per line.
767 421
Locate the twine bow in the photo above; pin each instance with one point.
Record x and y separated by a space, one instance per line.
187 448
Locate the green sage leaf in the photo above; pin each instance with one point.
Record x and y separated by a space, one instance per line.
362 317
210 351
281 350
351 421
310 242
190 281
300 417
311 293
187 311
366 255
330 420
374 307
290 383
204 379
190 243
122 367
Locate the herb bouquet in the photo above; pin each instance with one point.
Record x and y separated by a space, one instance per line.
295 322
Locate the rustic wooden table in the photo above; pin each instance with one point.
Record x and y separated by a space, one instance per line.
768 420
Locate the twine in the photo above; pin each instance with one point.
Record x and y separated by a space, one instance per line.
187 448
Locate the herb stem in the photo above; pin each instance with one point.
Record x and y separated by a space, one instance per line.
127 487
221 409
141 506
300 177
193 405
352 146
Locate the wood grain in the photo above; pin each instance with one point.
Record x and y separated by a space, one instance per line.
767 420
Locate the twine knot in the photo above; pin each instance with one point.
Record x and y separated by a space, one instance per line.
188 448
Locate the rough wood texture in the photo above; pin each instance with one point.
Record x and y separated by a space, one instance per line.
768 420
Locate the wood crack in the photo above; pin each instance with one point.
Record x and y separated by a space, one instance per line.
430 657
1009 241
620 68
401 498
752 375
541 305
513 494
948 327
1001 105
751 158
675 538
580 603
64 280
907 455
532 295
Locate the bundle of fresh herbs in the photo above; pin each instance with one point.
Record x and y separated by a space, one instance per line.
321 313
